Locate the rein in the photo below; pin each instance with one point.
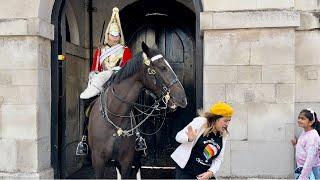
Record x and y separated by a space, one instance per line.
132 103
120 131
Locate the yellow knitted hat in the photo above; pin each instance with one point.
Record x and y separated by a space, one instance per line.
222 109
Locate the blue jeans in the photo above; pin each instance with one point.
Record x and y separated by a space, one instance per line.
316 172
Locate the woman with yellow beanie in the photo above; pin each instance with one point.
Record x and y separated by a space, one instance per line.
200 153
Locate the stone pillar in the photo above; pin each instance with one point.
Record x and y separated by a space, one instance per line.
307 68
249 61
25 93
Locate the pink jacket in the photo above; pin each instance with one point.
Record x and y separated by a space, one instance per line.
308 152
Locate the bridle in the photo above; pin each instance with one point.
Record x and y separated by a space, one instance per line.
165 91
164 96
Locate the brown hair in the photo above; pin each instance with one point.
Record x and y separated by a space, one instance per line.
211 120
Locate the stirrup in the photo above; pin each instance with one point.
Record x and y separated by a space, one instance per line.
82 147
140 144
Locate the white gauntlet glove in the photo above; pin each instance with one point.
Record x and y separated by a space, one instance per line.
116 68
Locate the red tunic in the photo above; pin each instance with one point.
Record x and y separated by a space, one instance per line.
96 66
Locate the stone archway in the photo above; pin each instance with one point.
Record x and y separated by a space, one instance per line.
56 129
67 80
73 25
46 8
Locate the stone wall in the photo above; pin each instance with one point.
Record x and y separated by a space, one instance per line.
234 5
268 52
25 85
307 68
249 61
26 33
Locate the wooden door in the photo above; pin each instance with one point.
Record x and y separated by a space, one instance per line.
177 45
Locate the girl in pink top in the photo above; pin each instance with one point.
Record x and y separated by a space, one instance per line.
308 146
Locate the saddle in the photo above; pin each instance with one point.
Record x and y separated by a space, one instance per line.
89 108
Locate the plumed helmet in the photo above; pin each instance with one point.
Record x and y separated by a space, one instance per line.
114 27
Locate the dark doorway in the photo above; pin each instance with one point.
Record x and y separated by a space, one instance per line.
64 90
170 26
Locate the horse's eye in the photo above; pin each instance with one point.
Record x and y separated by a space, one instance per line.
163 68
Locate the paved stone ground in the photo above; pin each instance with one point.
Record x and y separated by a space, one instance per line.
87 172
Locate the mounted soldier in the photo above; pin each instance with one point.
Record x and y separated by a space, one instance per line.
108 58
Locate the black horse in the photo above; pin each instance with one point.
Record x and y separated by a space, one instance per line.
110 127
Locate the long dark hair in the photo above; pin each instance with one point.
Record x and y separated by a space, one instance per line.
312 116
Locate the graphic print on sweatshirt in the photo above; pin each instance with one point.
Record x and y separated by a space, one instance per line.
205 150
210 151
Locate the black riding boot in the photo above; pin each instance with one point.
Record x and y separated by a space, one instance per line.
82 148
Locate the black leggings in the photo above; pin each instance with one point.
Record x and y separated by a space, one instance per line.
183 174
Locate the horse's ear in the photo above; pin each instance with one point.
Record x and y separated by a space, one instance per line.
145 48
154 46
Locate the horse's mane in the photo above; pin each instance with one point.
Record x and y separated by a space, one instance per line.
131 67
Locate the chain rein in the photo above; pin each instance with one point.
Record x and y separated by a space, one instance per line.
120 131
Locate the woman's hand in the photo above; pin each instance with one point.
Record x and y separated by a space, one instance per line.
294 141
205 175
192 134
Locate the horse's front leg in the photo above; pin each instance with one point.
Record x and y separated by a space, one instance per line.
98 164
126 165
126 170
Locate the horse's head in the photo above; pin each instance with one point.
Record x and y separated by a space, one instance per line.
161 79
